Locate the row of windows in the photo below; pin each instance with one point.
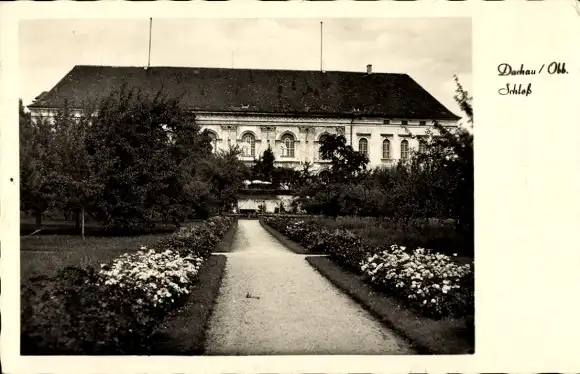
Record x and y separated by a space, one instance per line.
404 122
363 147
249 145
249 148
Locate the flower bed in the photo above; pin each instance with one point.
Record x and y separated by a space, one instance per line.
342 245
429 282
116 310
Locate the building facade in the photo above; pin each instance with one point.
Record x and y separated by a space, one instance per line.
381 115
297 140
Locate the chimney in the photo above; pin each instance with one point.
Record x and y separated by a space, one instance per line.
369 69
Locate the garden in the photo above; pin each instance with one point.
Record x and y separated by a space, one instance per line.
133 271
118 306
399 240
433 283
426 295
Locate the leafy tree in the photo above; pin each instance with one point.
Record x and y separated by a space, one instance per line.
346 163
76 185
144 152
435 183
38 165
264 168
304 175
223 173
448 165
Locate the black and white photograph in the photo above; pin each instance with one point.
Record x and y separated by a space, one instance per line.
246 187
289 187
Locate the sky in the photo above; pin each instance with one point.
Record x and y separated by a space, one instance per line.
430 50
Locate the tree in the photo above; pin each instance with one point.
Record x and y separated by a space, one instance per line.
264 168
437 182
223 173
346 163
76 184
444 172
143 152
464 100
38 165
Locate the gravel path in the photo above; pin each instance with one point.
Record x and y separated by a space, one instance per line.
273 302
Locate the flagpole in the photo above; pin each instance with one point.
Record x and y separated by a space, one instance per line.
320 46
150 27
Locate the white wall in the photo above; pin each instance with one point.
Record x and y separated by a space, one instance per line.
268 130
307 131
271 203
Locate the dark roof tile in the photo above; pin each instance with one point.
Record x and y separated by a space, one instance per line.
256 90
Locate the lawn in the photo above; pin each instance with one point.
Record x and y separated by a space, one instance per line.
118 311
52 226
46 254
438 235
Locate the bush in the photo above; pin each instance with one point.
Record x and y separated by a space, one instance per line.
430 282
343 245
439 235
417 277
116 310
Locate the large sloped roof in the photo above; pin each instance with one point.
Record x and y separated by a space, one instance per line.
255 90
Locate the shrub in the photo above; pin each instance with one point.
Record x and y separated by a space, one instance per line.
153 278
441 236
343 245
430 282
116 310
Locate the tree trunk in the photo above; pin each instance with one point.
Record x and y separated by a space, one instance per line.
38 219
83 221
77 219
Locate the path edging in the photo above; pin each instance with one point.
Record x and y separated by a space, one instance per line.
289 243
225 245
381 307
184 332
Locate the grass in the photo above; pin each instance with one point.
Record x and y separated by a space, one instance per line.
46 254
92 228
428 336
433 234
184 331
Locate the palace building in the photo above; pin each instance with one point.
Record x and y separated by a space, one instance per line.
289 111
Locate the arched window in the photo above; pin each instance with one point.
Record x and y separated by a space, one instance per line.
404 150
288 142
363 146
386 149
250 145
320 140
422 146
213 141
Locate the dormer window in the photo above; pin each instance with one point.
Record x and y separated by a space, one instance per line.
404 122
386 122
422 123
